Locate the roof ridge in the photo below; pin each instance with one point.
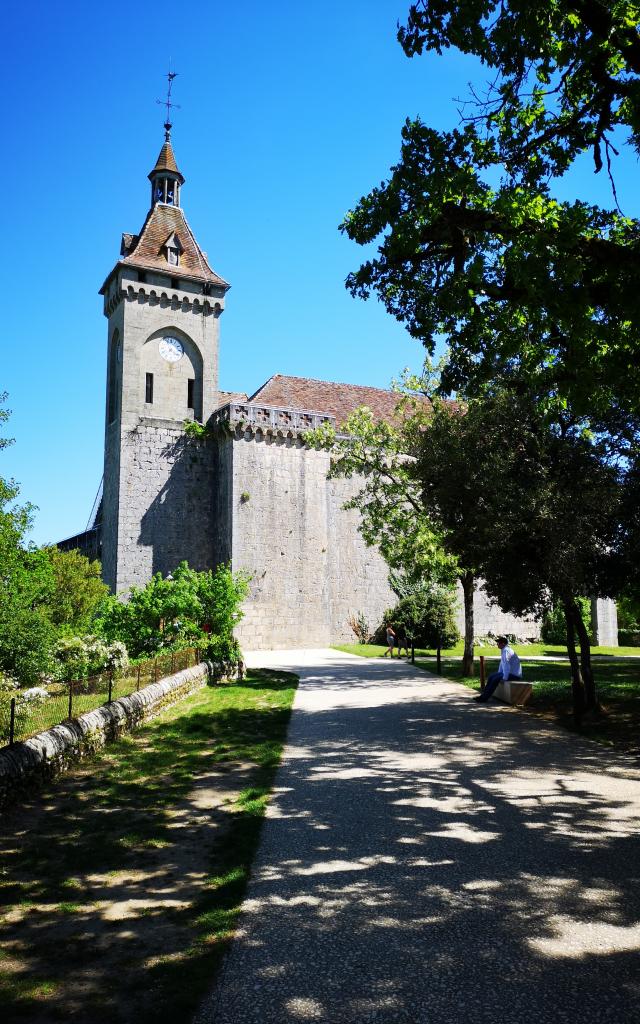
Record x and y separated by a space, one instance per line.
340 384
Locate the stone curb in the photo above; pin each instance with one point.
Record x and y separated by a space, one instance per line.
25 765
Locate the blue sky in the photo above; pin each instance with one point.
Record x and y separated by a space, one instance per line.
289 113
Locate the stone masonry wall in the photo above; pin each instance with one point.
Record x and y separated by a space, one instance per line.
26 765
489 618
311 567
166 499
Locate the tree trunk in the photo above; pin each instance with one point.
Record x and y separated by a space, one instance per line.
591 698
577 682
468 586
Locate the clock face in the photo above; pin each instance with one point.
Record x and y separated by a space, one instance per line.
171 349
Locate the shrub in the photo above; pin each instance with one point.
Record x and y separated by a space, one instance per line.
78 657
629 637
360 627
427 617
225 649
183 609
554 625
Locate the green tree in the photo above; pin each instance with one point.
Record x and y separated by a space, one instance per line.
472 242
393 517
564 74
77 590
26 582
546 500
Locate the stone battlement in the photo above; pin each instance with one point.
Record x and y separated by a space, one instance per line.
267 419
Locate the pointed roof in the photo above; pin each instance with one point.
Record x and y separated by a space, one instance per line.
148 250
166 161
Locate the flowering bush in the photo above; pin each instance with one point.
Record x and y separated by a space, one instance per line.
79 657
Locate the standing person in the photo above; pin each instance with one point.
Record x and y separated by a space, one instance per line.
391 639
403 643
510 669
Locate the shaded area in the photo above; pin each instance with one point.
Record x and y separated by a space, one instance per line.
120 885
618 686
429 860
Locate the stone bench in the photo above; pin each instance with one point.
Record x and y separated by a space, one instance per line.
513 692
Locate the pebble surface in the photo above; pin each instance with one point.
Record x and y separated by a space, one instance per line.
426 860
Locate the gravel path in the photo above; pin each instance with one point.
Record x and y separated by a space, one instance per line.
427 860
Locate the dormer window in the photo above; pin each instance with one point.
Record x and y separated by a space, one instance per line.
173 249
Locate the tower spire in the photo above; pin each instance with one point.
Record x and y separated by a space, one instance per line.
165 177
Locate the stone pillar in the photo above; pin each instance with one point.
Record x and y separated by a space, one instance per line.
604 622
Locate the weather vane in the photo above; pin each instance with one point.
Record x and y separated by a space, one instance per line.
167 103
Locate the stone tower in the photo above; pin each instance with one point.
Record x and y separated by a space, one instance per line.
162 301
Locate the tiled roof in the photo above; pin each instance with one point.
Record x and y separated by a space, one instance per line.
338 400
225 397
148 249
166 160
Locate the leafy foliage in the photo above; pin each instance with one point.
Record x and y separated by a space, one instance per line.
553 628
566 73
427 617
77 592
78 657
473 243
172 612
513 278
547 501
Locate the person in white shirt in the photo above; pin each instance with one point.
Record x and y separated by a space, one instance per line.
510 669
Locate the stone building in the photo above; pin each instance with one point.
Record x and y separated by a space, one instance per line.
251 492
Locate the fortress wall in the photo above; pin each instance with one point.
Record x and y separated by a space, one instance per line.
311 567
166 502
489 618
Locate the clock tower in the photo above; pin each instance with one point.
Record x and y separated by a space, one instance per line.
163 303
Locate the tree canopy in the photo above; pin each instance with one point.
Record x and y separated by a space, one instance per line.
566 74
472 242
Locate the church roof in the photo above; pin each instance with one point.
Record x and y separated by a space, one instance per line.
338 400
148 250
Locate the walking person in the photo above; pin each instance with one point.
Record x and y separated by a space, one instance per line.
391 640
510 669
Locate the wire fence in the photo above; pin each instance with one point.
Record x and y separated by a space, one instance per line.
21 718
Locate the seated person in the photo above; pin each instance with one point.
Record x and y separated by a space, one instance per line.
510 669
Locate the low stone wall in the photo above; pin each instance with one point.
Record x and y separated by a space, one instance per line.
24 766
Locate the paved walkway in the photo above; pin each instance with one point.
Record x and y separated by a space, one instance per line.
429 861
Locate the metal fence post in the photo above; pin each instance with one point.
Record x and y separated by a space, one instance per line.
438 659
70 697
138 682
413 653
173 662
12 723
110 686
482 672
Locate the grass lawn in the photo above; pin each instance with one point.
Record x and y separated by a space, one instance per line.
524 650
121 882
617 680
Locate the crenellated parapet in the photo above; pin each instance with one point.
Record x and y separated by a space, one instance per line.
245 417
211 304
